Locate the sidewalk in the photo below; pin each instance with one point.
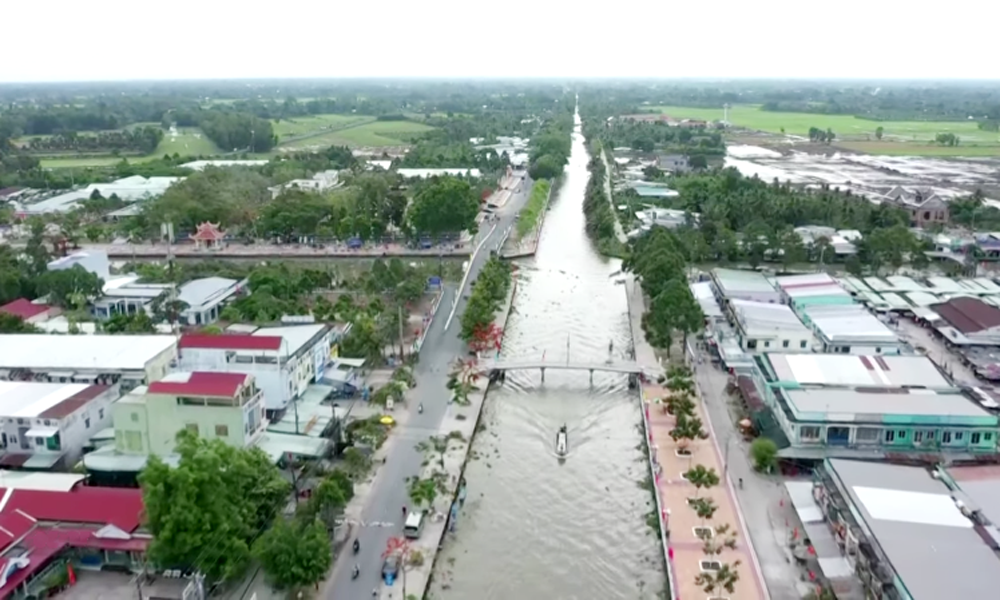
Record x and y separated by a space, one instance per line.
678 518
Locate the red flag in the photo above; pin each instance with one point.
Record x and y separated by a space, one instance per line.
70 574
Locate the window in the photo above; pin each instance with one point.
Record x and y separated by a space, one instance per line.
878 350
946 437
100 413
767 344
890 436
784 343
39 441
135 417
959 435
809 432
918 436
987 436
192 427
751 345
976 436
86 422
802 344
867 435
222 430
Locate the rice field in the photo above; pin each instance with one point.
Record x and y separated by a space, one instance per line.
315 124
376 134
188 141
898 137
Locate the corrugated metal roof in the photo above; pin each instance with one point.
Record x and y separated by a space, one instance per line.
224 385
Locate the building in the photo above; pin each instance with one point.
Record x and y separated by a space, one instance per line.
43 531
129 189
925 207
733 284
840 243
764 327
205 298
224 406
46 424
201 165
320 182
851 329
94 261
28 311
800 291
968 321
673 163
283 360
905 533
881 405
131 360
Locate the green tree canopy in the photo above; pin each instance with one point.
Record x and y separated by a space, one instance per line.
294 554
447 205
204 513
70 288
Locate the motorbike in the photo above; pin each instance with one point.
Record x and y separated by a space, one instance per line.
355 572
357 546
420 408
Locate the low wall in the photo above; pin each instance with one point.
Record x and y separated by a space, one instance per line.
456 459
427 322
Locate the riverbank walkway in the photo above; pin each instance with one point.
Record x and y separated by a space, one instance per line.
685 547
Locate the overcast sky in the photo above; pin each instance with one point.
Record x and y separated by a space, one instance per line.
58 40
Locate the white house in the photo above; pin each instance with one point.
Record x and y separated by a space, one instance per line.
851 329
94 261
205 297
769 327
320 182
283 360
42 424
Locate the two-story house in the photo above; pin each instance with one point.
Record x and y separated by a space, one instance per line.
925 207
224 406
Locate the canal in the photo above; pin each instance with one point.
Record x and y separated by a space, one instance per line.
532 527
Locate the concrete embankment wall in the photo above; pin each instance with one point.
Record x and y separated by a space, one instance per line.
533 247
456 468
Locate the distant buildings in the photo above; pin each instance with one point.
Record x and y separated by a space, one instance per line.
925 207
28 311
320 182
201 165
129 189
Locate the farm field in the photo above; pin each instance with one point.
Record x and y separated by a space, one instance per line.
189 141
899 137
316 124
370 134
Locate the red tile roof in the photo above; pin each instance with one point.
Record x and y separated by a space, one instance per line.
23 308
968 315
231 342
121 507
225 385
74 402
47 542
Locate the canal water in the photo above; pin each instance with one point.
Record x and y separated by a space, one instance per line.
532 527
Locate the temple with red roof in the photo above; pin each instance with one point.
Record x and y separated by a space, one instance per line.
209 236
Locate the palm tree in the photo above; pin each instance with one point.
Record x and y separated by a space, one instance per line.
168 307
702 477
724 578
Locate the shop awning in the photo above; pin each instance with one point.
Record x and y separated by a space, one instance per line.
42 432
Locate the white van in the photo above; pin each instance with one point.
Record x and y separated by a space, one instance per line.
414 525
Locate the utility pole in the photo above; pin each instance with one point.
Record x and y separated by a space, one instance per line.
399 308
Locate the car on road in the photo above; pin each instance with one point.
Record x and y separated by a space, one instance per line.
390 569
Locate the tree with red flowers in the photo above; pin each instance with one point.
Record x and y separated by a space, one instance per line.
400 548
462 380
486 337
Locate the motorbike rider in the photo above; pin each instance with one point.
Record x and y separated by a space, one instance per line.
357 545
356 571
420 407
